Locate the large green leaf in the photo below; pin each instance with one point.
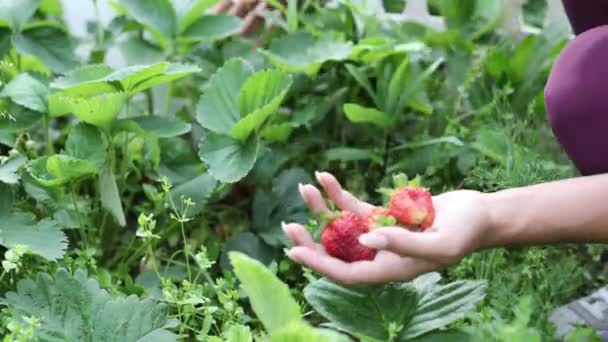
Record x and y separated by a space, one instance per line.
270 298
418 307
259 98
228 159
156 15
99 110
198 190
48 43
210 28
359 114
302 52
60 170
302 332
18 118
217 109
160 126
87 143
27 92
44 238
172 72
9 171
6 199
282 203
86 80
110 197
17 12
250 244
75 308
189 10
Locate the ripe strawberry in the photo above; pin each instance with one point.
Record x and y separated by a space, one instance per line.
379 217
340 238
412 207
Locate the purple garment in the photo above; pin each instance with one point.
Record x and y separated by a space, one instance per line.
576 94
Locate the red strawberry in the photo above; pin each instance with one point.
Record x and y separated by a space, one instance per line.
341 238
412 206
379 217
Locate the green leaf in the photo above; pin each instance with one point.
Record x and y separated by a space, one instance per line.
440 305
259 98
156 15
238 333
27 91
359 114
347 154
366 310
5 40
270 298
17 118
189 10
228 159
160 126
6 199
50 44
217 109
87 143
282 203
110 197
395 87
302 52
75 308
17 13
210 28
297 332
100 110
43 238
363 81
171 73
250 244
277 132
198 190
9 170
86 80
60 170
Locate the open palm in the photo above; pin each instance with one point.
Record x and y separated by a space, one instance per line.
459 228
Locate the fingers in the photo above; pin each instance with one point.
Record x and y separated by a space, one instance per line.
221 6
252 20
427 245
299 235
313 198
386 267
342 198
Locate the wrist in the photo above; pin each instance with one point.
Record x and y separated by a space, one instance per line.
503 224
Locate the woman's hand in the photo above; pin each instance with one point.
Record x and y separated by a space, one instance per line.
249 10
461 225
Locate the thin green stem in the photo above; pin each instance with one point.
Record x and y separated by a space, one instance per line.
186 254
83 234
123 164
153 258
2 275
46 122
100 33
168 99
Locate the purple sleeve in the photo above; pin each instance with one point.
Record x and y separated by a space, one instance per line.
586 14
576 96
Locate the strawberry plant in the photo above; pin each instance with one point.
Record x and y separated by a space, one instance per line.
142 197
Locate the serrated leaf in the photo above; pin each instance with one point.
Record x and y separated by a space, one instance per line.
44 238
210 28
366 310
6 199
134 74
17 118
270 298
259 98
110 198
157 15
160 126
74 308
9 170
359 114
60 170
228 159
198 190
100 110
171 73
17 13
302 52
282 203
27 92
85 81
189 10
50 44
86 142
217 109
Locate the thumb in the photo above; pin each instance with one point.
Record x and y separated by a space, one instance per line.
426 245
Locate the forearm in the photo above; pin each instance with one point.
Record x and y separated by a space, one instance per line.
573 210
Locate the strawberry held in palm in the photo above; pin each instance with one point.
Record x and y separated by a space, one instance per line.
341 238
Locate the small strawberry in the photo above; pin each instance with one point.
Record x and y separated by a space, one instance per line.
379 217
411 204
340 238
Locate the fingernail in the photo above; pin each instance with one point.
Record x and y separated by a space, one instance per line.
284 227
372 240
291 256
300 187
318 175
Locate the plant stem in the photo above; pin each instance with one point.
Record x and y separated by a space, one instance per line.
186 255
123 163
168 99
153 258
83 234
50 150
100 33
